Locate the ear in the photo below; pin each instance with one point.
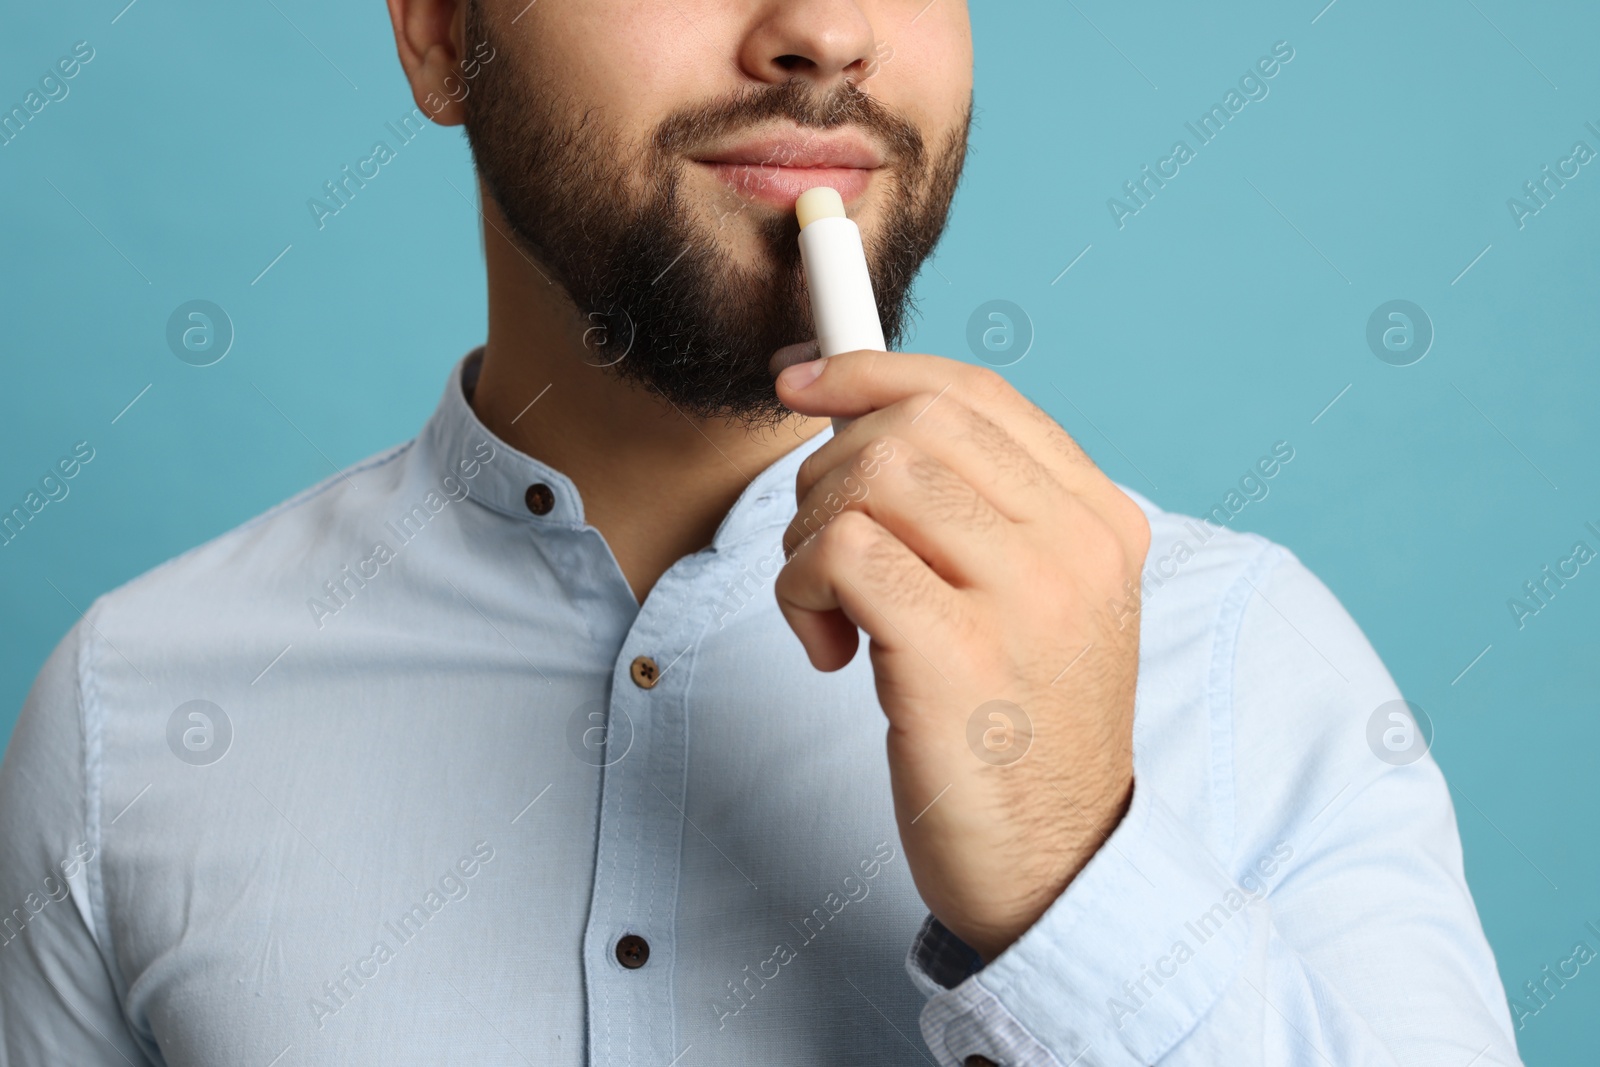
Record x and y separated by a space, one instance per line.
430 36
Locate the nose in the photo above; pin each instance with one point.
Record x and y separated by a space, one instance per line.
826 41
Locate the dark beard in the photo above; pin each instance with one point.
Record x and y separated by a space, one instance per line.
660 305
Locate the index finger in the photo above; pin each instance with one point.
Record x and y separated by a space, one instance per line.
852 384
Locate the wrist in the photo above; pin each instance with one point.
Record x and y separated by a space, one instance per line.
1089 832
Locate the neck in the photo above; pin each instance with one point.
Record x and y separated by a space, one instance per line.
654 481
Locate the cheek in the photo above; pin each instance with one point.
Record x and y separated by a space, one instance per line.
926 72
639 60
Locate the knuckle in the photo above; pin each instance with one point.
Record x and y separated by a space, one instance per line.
1109 553
1127 524
1000 449
945 496
1138 527
1097 554
986 383
850 535
806 474
809 525
881 448
875 454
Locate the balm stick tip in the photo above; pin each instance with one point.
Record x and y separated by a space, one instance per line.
819 202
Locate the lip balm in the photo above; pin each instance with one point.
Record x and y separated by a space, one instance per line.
843 308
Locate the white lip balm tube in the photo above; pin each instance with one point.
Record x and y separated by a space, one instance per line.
843 308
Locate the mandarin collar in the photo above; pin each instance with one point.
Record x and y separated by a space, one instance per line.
507 481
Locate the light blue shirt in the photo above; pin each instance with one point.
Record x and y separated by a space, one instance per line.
380 777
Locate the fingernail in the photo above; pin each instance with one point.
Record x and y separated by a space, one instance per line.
801 375
789 355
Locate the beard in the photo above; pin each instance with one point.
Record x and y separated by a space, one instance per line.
662 304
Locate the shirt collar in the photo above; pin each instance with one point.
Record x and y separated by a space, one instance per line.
503 479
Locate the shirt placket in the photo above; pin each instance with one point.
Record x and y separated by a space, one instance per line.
629 942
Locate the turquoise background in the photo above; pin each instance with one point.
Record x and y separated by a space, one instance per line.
1223 317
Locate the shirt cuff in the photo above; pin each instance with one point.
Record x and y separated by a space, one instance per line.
1125 962
940 960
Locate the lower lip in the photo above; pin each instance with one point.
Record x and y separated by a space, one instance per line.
782 186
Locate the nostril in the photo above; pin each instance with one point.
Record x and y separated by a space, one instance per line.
792 63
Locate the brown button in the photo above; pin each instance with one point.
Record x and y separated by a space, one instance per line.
645 672
632 951
539 498
978 1061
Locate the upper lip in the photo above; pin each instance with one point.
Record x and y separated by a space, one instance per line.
800 148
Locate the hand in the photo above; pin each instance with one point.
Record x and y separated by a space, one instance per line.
988 559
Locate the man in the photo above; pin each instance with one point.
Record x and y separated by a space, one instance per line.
547 737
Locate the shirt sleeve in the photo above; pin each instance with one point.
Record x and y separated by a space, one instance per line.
57 1001
1313 912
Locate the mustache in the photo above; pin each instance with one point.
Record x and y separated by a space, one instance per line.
692 127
